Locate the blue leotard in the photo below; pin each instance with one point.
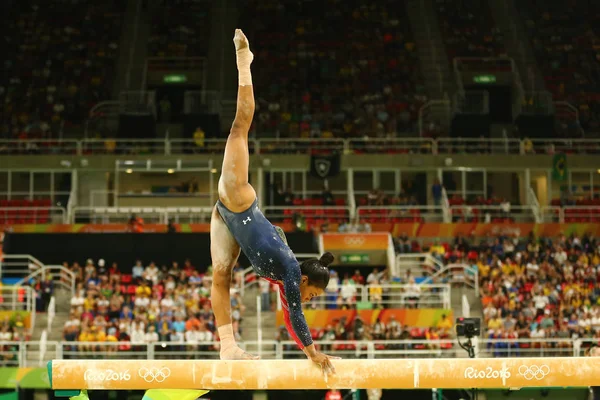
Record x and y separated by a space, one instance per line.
272 259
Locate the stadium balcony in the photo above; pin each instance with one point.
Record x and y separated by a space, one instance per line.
367 145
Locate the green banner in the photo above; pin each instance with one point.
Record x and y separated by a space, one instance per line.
27 378
355 258
559 167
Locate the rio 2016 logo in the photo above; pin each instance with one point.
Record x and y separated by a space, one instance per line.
487 373
106 375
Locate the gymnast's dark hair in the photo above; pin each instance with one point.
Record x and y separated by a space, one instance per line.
317 270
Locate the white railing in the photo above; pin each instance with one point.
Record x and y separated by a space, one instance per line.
51 313
419 264
61 277
486 214
392 145
400 295
26 354
466 307
553 214
532 201
33 215
457 274
17 266
327 213
43 346
446 207
414 145
300 146
17 298
415 213
160 215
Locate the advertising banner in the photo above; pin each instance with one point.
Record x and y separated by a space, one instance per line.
422 317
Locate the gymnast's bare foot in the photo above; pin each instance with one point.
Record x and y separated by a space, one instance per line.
235 353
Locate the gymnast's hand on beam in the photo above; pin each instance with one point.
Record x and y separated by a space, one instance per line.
324 361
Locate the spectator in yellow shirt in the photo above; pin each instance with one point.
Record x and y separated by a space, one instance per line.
437 248
444 324
143 290
375 293
89 303
495 323
85 336
483 269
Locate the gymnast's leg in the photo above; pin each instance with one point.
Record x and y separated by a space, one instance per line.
234 190
237 195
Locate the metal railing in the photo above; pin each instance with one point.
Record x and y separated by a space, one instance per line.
33 215
30 354
323 213
299 146
552 214
419 264
472 213
18 265
61 276
402 295
159 215
478 146
400 213
51 313
391 145
17 298
338 214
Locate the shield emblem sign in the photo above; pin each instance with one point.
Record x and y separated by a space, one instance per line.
322 166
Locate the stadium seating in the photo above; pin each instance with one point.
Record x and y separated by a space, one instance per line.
180 29
320 77
110 306
59 61
469 29
565 46
25 211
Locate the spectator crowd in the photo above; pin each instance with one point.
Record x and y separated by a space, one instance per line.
533 287
56 64
355 75
152 305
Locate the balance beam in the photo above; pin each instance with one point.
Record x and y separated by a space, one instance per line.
513 373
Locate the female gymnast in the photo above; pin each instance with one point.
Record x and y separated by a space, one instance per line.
237 222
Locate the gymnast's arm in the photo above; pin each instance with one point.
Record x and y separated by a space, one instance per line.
301 333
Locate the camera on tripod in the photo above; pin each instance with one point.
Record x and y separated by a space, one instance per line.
468 327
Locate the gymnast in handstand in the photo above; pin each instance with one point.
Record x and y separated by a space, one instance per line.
237 223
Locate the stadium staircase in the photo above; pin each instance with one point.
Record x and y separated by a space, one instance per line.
222 70
133 48
433 57
517 44
249 323
427 269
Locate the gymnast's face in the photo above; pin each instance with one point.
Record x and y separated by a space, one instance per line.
308 291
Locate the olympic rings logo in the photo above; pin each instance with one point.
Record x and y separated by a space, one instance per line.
534 372
154 374
354 240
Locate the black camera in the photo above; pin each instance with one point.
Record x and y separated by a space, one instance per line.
468 327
